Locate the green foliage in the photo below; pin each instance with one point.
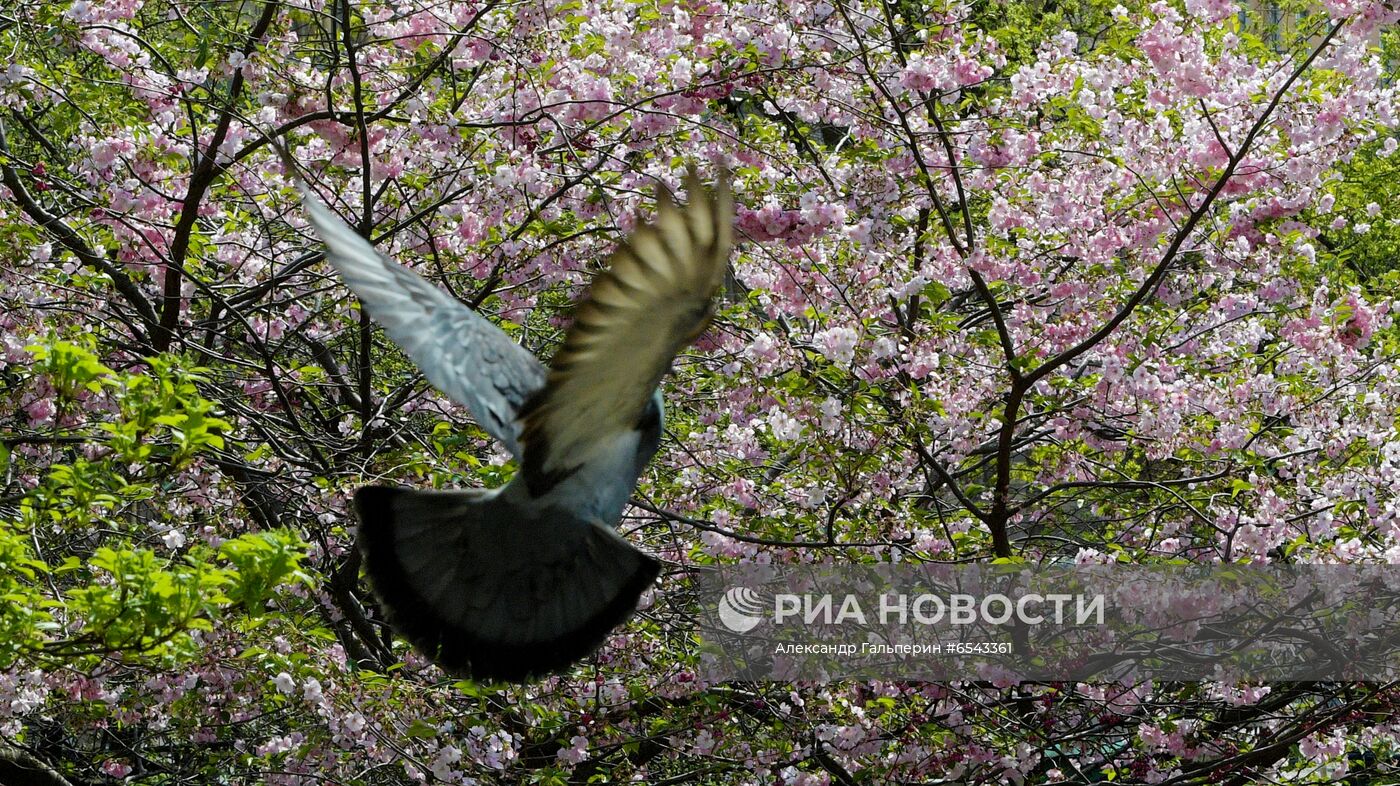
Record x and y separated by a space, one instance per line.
155 422
261 562
138 603
1370 178
80 495
1019 26
135 602
164 415
139 429
22 614
71 368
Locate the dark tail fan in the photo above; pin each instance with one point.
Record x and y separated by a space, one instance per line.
493 591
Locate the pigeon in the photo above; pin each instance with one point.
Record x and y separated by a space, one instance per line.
526 579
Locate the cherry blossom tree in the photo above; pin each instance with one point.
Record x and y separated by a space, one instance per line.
1019 281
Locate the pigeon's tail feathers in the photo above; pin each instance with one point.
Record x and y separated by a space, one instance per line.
490 588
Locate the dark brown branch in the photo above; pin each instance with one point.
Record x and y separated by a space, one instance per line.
74 242
18 768
207 169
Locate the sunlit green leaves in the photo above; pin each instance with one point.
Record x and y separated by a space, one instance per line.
139 603
164 414
126 434
22 614
261 562
71 367
133 602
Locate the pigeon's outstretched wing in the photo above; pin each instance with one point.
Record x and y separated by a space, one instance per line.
655 298
526 579
459 351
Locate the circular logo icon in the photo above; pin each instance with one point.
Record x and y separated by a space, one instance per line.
741 609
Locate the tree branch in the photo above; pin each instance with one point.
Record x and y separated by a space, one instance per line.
1150 285
207 169
71 240
18 768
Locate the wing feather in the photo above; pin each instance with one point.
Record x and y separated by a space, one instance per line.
654 299
459 352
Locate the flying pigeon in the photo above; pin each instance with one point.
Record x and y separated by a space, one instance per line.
526 579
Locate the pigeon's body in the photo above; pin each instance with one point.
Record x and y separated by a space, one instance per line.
530 577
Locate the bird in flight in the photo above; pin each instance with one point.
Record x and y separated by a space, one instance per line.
526 579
